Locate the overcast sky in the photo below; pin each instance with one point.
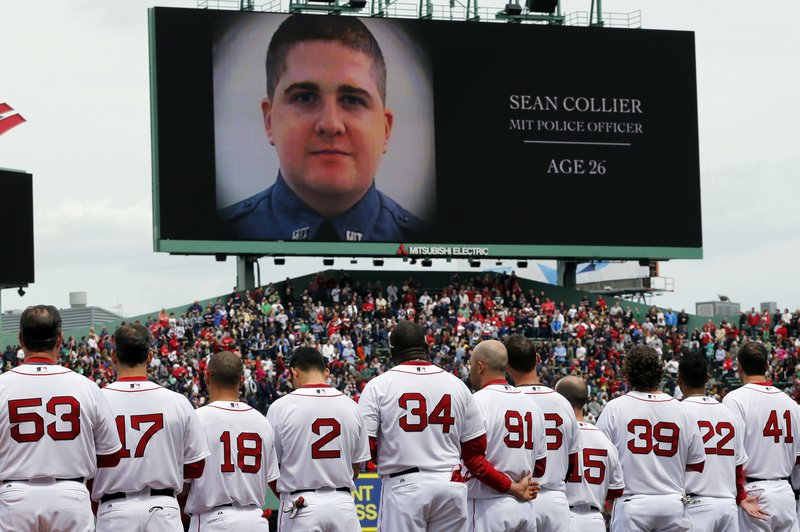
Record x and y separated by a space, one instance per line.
78 72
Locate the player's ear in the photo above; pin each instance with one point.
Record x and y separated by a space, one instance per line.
21 343
115 360
327 373
266 112
388 117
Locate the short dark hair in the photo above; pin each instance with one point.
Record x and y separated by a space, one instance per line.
307 359
348 31
643 368
574 390
132 344
521 353
693 369
226 369
753 358
407 341
39 327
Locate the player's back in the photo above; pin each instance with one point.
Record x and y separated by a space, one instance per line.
159 432
514 433
58 423
771 423
561 431
242 459
722 436
420 414
320 436
655 439
597 469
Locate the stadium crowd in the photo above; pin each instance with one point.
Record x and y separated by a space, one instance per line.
350 324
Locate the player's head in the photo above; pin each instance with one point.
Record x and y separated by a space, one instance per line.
40 329
575 391
132 345
487 363
643 368
225 371
407 342
325 108
753 359
307 366
522 356
692 372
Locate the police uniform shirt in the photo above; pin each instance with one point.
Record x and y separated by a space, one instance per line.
277 213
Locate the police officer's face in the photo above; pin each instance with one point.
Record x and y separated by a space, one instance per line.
327 121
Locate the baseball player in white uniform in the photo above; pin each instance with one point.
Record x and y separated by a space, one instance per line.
771 439
561 431
421 421
322 444
230 494
56 429
716 492
657 441
597 475
162 444
515 442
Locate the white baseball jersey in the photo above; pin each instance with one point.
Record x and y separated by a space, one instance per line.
514 433
597 470
321 436
656 438
53 423
420 415
561 430
723 441
160 433
771 429
242 459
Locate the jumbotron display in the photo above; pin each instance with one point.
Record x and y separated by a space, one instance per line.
336 135
16 238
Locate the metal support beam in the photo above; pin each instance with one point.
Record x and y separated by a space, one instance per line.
245 280
567 273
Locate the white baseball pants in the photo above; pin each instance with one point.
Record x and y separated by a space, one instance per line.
422 502
140 511
501 514
45 505
650 513
552 511
326 510
710 514
230 518
777 499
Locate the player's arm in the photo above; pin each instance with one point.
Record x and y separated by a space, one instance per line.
368 411
616 482
696 458
574 440
106 436
195 445
473 454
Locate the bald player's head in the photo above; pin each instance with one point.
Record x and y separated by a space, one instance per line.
487 363
226 369
492 353
575 391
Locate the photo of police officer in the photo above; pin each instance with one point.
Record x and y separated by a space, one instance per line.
325 114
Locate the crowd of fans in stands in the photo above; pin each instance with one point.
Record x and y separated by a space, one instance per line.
350 324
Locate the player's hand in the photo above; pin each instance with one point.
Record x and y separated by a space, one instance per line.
751 507
522 489
535 487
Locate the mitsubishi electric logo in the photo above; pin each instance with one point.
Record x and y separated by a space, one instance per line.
9 118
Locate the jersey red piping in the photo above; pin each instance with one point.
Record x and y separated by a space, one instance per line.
231 409
649 400
316 386
759 391
496 381
414 372
41 374
39 360
126 379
